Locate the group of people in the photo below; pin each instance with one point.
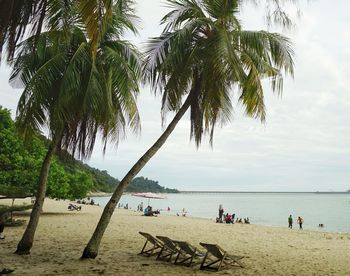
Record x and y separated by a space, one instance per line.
245 220
226 218
184 212
222 218
88 201
300 221
121 205
149 211
140 207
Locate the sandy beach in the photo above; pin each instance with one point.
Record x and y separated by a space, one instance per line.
62 235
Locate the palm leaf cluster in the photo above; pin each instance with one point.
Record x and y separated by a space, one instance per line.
75 89
15 16
204 52
21 17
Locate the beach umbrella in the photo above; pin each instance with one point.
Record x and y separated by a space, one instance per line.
150 195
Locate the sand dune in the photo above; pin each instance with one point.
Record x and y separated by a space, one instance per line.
61 238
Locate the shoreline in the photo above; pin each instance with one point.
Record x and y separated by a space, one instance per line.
176 202
60 239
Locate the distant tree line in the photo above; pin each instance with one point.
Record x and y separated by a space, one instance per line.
20 163
141 184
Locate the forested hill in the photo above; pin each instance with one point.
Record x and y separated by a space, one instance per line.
104 182
20 164
141 184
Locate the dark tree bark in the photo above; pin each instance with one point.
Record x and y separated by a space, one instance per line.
26 242
91 249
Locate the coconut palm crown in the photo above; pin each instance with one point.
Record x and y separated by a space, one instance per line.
204 51
73 94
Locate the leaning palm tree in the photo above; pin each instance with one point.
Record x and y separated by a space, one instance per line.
76 93
201 60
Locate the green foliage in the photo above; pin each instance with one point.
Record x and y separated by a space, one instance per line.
17 165
13 192
20 165
141 184
80 184
58 182
5 209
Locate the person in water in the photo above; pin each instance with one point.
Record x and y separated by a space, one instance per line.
290 222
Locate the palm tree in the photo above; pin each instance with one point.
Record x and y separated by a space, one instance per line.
204 56
76 92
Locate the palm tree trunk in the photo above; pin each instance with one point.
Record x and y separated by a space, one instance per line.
91 249
26 242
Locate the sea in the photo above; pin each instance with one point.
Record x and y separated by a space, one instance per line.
270 209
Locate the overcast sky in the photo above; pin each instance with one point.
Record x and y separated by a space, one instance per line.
304 145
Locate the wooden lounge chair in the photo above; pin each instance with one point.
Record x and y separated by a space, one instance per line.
168 250
217 255
187 253
73 207
156 244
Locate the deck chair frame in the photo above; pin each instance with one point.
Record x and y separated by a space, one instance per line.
187 253
156 244
168 250
221 258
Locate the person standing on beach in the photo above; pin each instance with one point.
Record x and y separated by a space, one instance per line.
290 222
221 212
300 222
141 206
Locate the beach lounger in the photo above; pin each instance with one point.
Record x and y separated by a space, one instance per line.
168 250
72 207
217 257
187 253
155 243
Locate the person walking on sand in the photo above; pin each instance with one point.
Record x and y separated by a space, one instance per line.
290 222
300 222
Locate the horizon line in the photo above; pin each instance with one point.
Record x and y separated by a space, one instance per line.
206 191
